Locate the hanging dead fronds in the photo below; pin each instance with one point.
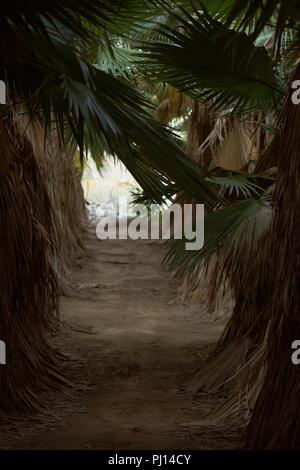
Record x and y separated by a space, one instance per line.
275 422
208 290
42 214
64 190
29 288
221 367
172 104
266 314
236 409
233 144
200 125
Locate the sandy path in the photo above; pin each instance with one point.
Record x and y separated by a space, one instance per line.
137 348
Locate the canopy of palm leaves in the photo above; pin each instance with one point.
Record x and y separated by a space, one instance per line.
86 72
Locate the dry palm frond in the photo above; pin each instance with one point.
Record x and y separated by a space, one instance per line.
222 281
200 124
275 422
266 313
64 190
221 368
219 302
237 152
29 288
246 384
164 112
245 326
232 144
172 104
267 159
42 212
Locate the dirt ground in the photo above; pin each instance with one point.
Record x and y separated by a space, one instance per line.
137 348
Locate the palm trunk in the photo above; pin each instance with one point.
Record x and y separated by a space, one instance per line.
264 323
42 212
275 422
29 288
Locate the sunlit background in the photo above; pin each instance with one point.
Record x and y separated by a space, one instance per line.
103 190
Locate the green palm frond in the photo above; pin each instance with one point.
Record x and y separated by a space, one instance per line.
33 16
48 74
103 113
235 230
281 14
232 183
117 60
208 61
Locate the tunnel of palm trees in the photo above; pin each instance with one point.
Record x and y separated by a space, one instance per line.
136 342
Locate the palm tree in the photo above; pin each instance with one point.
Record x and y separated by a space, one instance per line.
213 55
58 101
275 420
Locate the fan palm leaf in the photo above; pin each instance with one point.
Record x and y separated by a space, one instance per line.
235 230
209 61
103 113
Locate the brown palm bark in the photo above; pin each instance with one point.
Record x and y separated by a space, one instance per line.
265 320
29 288
41 212
275 422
